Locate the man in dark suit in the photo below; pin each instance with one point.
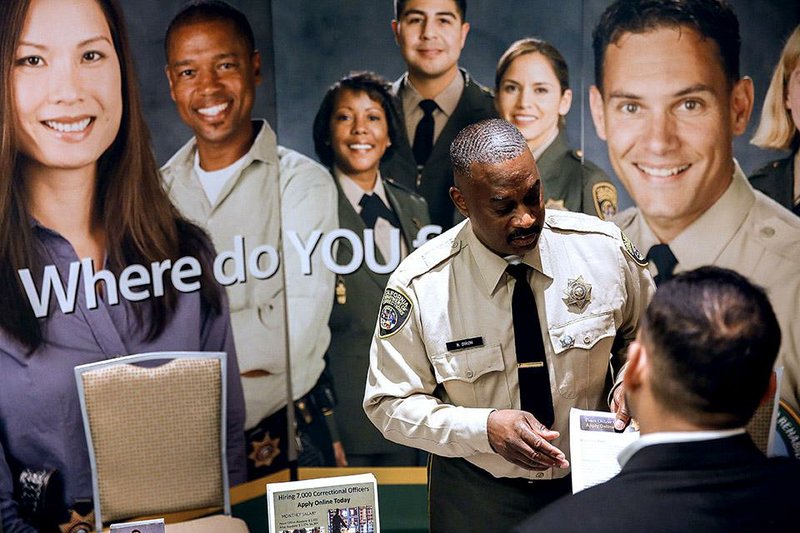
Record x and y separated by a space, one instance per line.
700 366
438 99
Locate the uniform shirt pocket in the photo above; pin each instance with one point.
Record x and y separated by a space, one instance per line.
581 351
473 377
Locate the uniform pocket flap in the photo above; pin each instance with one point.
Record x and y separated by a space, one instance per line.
582 333
468 365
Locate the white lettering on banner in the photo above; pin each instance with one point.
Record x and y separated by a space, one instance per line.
328 251
425 233
132 276
394 247
305 251
51 279
193 269
229 267
254 258
237 257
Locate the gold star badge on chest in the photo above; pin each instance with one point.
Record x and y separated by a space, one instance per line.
578 293
265 451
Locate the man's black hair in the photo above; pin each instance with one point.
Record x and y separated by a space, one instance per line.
208 11
712 19
713 338
400 6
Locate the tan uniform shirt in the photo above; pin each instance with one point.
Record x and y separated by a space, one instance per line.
423 394
275 189
747 232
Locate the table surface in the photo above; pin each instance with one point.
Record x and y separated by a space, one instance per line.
402 497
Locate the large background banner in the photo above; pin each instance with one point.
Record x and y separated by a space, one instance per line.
306 45
317 42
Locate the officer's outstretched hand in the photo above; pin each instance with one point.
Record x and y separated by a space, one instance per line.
523 440
619 408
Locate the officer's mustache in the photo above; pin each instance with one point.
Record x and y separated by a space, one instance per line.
523 233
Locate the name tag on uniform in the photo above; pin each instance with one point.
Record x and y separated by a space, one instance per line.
464 343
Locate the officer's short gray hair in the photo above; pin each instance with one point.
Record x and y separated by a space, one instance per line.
488 141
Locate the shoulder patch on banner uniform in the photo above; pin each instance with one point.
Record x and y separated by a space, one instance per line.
632 251
788 429
605 199
395 310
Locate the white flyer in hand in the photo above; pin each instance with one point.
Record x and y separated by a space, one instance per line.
594 447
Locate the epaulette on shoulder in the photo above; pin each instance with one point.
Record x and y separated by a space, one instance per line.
567 221
579 223
486 91
780 234
766 169
430 255
576 154
398 185
587 166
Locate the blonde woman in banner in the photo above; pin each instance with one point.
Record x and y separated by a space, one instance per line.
778 129
80 194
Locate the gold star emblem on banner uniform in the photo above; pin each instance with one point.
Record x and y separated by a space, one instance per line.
578 293
78 523
265 451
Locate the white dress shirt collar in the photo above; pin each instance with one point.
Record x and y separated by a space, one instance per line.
671 437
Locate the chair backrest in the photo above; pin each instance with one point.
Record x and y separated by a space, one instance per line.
156 434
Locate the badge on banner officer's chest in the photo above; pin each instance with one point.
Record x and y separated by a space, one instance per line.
341 291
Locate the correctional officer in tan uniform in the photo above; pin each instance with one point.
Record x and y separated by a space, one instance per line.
669 105
446 362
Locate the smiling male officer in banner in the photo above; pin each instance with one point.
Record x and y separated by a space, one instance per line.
233 179
669 99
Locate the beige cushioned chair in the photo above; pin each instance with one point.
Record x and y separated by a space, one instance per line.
156 436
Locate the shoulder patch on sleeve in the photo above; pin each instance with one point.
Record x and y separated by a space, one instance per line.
394 312
632 251
605 199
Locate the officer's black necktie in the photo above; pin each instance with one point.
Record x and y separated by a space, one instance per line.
534 376
372 208
665 262
796 209
423 137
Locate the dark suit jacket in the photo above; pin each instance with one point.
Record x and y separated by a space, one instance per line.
722 485
776 180
566 179
353 323
476 104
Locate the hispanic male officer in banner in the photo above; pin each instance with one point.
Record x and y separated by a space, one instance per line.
480 369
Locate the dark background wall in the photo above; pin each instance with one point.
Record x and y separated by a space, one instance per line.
318 41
